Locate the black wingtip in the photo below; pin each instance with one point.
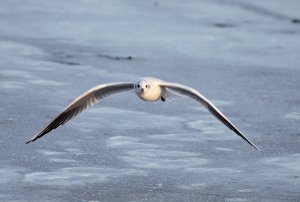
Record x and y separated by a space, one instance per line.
256 147
246 139
250 143
29 141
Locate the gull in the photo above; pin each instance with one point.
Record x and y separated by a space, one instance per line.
147 89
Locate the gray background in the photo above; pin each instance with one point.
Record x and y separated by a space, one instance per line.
243 55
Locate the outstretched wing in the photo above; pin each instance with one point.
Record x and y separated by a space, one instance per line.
87 99
188 91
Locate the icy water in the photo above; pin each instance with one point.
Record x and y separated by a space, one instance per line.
243 55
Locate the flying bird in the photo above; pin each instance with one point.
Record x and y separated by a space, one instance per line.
148 89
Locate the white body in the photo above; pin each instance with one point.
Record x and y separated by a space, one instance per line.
149 89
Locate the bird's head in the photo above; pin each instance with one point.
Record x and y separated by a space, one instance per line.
141 87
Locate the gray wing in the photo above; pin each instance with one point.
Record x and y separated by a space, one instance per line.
87 99
188 91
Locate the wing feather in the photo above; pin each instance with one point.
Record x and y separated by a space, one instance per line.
190 92
87 99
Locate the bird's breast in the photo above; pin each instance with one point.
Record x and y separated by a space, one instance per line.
153 94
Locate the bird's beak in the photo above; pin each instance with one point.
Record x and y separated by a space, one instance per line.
142 90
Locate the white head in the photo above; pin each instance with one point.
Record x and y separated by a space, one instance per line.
141 87
148 89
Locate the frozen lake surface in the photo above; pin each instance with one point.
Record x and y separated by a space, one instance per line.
243 55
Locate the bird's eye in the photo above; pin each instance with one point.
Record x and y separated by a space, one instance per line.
146 86
138 86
